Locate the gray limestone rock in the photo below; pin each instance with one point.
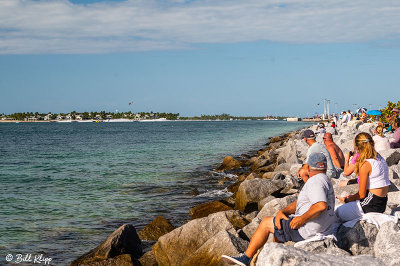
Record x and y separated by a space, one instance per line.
184 241
294 169
124 240
283 167
264 201
394 198
359 239
223 243
391 156
273 206
366 127
274 254
327 246
387 244
250 192
288 154
250 229
346 190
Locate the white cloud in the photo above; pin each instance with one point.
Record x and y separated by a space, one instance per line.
58 26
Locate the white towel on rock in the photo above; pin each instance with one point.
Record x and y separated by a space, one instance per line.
317 237
374 218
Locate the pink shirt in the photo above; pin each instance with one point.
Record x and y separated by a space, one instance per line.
354 161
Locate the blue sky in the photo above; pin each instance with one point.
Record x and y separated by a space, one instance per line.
198 57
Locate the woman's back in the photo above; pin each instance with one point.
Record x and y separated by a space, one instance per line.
381 143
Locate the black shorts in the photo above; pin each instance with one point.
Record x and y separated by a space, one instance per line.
286 233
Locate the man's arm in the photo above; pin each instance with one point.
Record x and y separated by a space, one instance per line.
314 211
282 214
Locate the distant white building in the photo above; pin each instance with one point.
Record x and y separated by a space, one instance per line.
47 117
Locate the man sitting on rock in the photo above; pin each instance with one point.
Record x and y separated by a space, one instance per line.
311 214
309 138
335 152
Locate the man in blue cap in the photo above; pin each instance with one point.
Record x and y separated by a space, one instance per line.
311 214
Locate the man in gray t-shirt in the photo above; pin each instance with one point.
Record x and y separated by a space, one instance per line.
311 214
315 147
318 188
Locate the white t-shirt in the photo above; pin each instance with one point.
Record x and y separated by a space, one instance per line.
317 188
381 143
346 118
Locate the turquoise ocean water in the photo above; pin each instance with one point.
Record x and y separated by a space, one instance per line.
66 186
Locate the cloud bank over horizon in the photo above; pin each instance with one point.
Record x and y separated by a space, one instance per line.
62 27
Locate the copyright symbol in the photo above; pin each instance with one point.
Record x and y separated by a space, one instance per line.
9 257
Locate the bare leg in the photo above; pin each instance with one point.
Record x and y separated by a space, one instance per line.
260 237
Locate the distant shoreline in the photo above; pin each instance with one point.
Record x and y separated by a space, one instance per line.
141 121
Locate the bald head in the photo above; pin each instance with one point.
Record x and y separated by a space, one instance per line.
327 136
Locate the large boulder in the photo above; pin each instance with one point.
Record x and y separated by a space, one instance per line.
229 163
250 192
394 198
346 145
288 154
387 244
301 148
346 190
260 162
391 156
124 240
223 243
358 240
205 209
156 228
328 246
251 228
275 254
366 127
283 167
148 259
272 207
121 260
184 241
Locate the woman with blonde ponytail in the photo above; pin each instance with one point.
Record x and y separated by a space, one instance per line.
381 142
374 182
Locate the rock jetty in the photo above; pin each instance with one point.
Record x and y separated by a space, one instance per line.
266 182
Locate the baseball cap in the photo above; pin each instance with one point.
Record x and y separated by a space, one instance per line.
317 161
308 134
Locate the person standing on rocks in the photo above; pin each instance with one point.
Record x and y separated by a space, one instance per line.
314 146
335 152
311 214
373 185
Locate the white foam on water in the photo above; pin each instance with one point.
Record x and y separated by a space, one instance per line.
230 176
216 193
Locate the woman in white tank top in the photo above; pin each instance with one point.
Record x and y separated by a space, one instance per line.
374 182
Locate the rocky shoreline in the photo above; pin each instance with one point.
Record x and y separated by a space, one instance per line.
266 182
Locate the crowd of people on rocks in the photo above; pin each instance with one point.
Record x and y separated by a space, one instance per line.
314 212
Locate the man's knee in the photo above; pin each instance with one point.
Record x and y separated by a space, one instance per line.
267 223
